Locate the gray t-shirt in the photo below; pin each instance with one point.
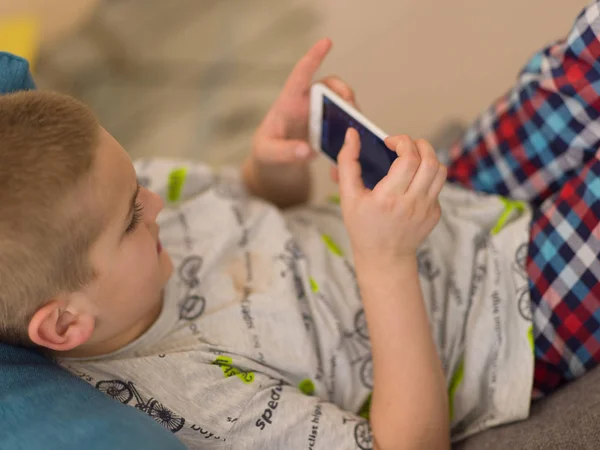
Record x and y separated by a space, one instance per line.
262 341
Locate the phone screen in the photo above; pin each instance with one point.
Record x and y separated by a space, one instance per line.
375 158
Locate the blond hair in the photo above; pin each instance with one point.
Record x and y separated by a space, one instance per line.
47 149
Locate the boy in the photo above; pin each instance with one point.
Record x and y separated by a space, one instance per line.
228 352
249 328
260 339
247 273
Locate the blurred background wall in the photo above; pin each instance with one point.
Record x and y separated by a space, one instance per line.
193 78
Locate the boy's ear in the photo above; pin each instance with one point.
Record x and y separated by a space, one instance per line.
58 327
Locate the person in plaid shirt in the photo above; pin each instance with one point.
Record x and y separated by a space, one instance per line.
540 143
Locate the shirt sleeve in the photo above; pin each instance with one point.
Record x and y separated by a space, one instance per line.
281 416
177 181
530 141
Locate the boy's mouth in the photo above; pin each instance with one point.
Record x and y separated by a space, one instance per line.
158 246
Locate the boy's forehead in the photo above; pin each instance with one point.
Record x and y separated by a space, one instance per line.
114 176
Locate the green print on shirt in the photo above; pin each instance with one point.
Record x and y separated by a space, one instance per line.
314 286
225 363
365 409
331 245
307 387
334 198
530 338
177 179
454 383
509 207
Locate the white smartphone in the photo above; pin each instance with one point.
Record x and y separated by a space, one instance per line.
330 117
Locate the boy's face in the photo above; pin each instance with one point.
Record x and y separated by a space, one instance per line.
131 267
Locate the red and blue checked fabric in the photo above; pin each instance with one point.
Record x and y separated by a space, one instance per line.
540 143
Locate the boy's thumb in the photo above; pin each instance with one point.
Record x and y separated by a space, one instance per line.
351 183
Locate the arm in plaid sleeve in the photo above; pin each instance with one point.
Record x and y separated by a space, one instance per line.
527 144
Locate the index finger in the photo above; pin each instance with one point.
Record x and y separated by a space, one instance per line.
301 77
341 88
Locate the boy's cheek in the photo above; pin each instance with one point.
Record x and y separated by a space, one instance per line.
166 265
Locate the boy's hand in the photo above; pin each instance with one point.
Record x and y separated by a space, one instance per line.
282 136
387 225
280 155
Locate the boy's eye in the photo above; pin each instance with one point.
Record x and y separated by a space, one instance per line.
135 219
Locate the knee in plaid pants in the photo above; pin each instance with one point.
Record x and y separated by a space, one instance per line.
540 143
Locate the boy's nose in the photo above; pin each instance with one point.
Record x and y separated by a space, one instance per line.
155 204
160 203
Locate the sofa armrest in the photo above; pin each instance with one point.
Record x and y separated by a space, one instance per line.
42 406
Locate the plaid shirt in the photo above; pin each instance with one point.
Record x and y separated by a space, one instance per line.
540 143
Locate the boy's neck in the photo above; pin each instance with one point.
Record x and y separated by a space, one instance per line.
115 342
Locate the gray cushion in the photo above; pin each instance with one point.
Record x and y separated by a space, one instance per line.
567 420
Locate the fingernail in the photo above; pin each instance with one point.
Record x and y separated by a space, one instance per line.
347 134
302 151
